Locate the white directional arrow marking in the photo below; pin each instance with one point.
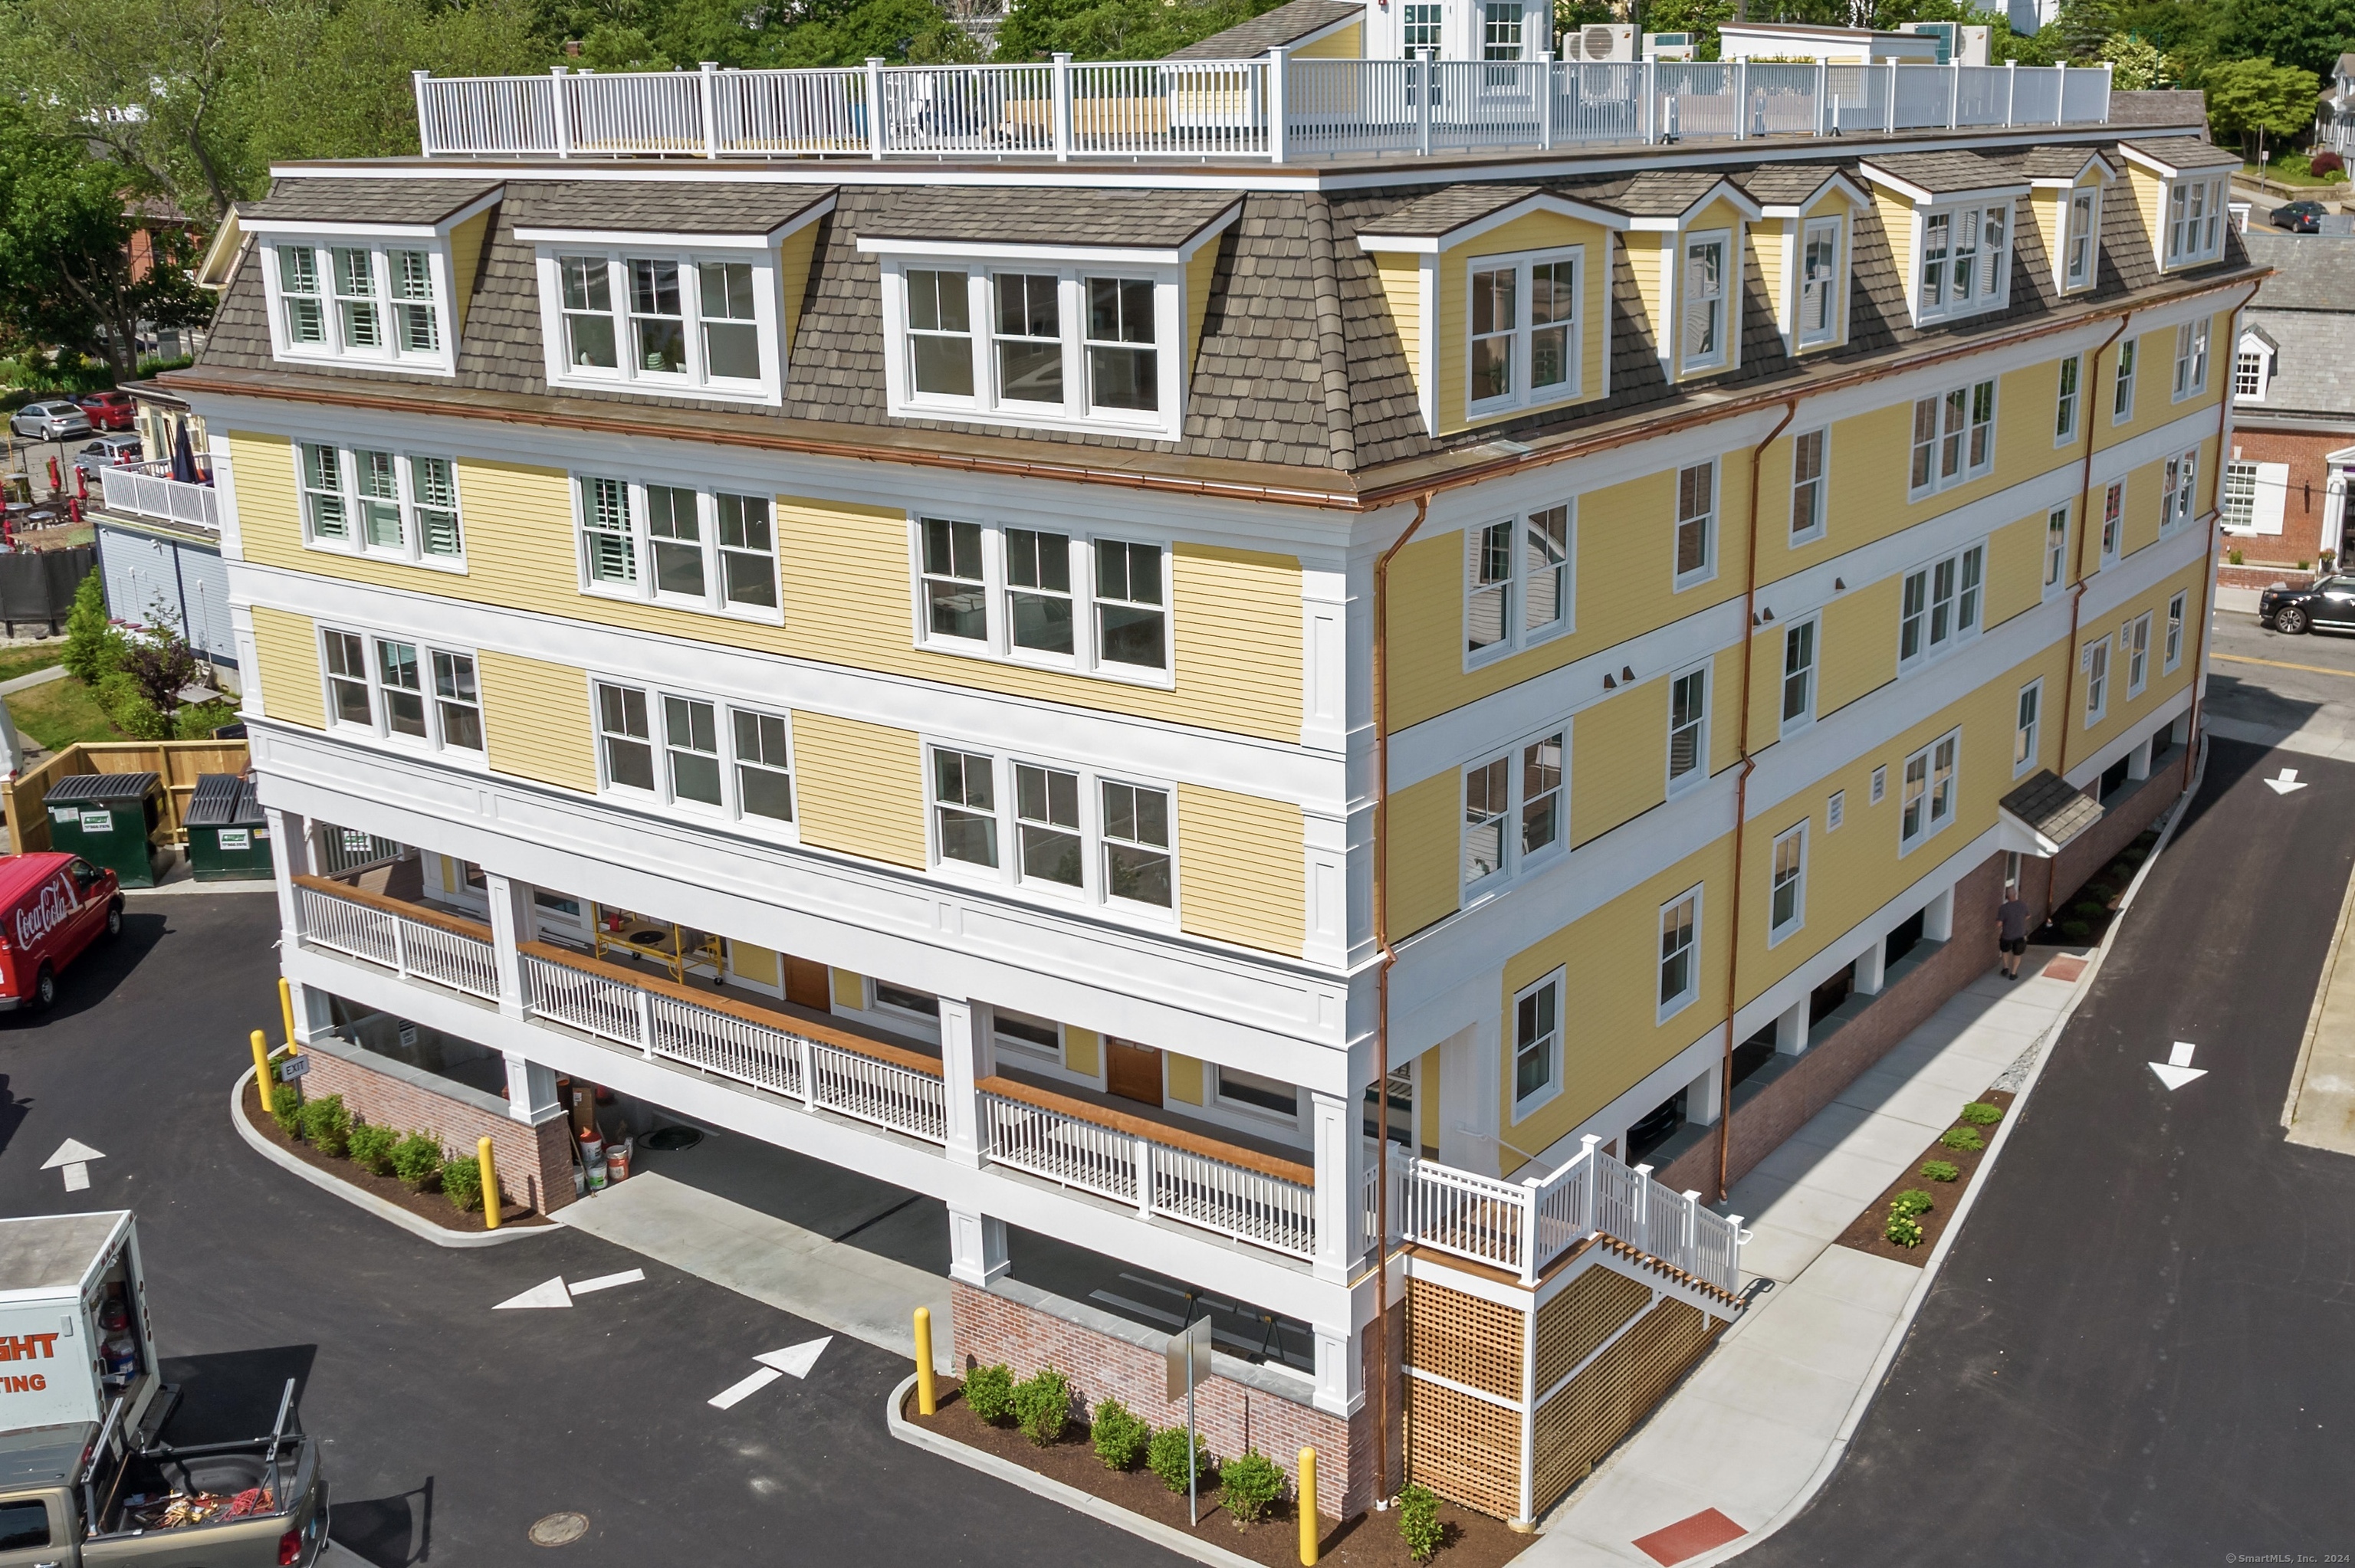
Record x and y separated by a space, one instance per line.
735 1393
549 1293
2285 783
795 1359
75 1156
2178 1070
607 1281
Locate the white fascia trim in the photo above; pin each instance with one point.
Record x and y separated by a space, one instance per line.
1725 188
438 230
1065 255
1427 383
2068 182
1838 183
1465 233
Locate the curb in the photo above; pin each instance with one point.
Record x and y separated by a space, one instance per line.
2313 1014
1047 1487
1903 1327
366 1199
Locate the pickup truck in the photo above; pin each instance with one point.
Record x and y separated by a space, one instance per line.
88 1477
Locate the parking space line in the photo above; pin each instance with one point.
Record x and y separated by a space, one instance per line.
2279 664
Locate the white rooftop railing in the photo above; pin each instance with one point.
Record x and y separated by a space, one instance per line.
1271 109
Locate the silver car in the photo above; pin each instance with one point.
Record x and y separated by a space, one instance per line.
49 421
108 452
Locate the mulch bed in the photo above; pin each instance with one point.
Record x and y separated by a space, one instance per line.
1865 1233
432 1206
1369 1541
2082 921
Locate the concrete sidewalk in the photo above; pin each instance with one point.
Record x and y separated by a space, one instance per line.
1757 1419
2320 1110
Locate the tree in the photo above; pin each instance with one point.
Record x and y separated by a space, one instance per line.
2306 34
93 644
367 49
1115 29
160 664
2134 64
2248 99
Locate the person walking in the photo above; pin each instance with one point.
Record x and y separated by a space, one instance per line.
2011 931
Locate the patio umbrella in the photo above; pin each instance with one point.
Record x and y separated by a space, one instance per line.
184 456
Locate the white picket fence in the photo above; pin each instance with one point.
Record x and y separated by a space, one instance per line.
1271 108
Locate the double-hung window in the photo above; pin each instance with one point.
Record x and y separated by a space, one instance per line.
1514 808
1132 607
2096 660
1043 596
2064 411
2122 390
694 753
1518 586
1135 827
1786 892
1708 295
349 699
1940 606
2173 653
1071 831
2249 366
396 505
2190 359
1524 329
1819 282
1679 953
377 304
1423 23
1500 30
1047 825
2134 642
1687 728
1808 481
2239 501
1965 261
1537 1045
2180 495
1696 535
2028 727
965 807
2056 550
405 691
673 324
2195 214
1799 673
2082 246
1954 438
712 550
1926 795
2114 521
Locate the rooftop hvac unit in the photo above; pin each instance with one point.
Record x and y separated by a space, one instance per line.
1601 42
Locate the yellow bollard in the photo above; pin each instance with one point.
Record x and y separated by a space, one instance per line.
286 1011
261 1070
490 1182
1306 1503
927 1403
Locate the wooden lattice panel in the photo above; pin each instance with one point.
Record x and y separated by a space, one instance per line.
1584 1421
1589 1309
1463 1339
1467 1450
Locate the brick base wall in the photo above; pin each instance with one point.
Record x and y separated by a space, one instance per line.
535 1163
1231 1416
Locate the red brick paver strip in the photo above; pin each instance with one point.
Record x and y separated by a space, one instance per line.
1689 1538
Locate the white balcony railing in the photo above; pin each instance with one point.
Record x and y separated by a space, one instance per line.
423 945
148 490
1271 108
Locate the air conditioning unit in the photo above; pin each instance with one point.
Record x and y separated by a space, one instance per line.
1669 47
1614 41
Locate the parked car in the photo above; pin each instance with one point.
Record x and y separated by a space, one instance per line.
2329 603
52 907
108 452
109 410
49 421
2299 216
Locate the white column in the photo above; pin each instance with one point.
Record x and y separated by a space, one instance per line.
977 1248
1938 918
532 1091
1470 1086
1871 967
312 1014
1342 1155
511 926
1702 1094
2138 761
1340 1371
967 1058
290 857
1791 1029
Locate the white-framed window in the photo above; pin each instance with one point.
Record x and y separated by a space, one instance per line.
1423 26
2122 387
1808 479
2056 551
1820 270
1254 1094
1516 809
1041 343
1696 535
1059 829
1519 581
1679 953
2239 500
1787 890
2064 411
684 546
1524 332
1940 606
404 690
2134 642
1042 595
1709 284
1834 810
1799 660
372 301
351 692
2190 359
2114 521
1537 1043
1687 728
1500 30
1027 1038
2195 221
701 755
2252 371
2080 250
2179 496
395 505
682 321
1954 438
1965 261
1927 798
2027 724
2172 654
2096 659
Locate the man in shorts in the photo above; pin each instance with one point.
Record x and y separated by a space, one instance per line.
2011 919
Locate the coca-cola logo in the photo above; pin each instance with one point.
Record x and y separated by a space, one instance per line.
38 918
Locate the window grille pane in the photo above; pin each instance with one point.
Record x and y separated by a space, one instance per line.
1029 338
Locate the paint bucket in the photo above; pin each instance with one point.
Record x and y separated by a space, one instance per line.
593 1147
617 1159
597 1174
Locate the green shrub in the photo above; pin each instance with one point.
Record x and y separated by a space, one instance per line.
199 720
93 645
1910 1201
417 1159
1043 1407
327 1125
2232 557
1120 1437
462 1183
1942 1171
128 709
2075 930
1903 1229
1249 1485
990 1391
1419 1526
285 1107
1166 1458
1962 1138
1979 1113
371 1146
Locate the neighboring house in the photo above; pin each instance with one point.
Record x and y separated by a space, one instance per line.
158 533
1151 659
2285 500
2334 122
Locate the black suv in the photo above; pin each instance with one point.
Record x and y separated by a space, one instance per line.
2328 604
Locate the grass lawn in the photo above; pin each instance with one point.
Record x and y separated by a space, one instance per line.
59 713
23 658
2275 175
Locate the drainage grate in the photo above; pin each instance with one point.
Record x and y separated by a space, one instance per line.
559 1530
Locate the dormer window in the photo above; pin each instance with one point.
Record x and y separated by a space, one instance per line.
1819 282
2195 221
1523 338
2080 249
380 304
1706 324
1964 267
684 323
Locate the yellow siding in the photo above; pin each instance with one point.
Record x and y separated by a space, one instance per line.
1771 242
860 788
793 275
1348 44
1857 647
1242 869
2148 193
849 989
1643 252
2141 502
1401 280
1766 685
2049 209
466 260
536 722
1181 1077
1201 272
1897 223
758 965
1424 868
1618 760
1083 1051
287 647
2015 573
1537 231
1426 1099
2125 712
1725 710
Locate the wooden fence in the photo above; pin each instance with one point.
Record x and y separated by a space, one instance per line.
176 762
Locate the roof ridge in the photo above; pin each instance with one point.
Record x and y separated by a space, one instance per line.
1332 337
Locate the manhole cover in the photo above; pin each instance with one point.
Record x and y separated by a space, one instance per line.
559 1530
671 1137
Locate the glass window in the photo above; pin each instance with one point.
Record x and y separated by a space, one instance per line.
691 738
2064 415
1940 604
748 551
2174 650
2181 498
1029 338
2190 358
1553 307
1038 590
955 603
674 534
1259 1093
764 782
1137 844
1423 25
298 287
1679 979
1545 566
1132 626
322 497
628 738
1954 437
1695 519
731 338
1122 366
1937 232
965 803
607 539
2025 745
1808 484
1941 779
2249 375
1688 714
417 324
356 310
1914 800
1537 1024
2113 509
2240 498
2080 248
2122 394
1991 257
2056 547
1027 1036
379 498
1541 794
1046 821
2097 680
939 332
403 687
1704 324
1485 806
1819 282
900 999
433 492
2135 639
24 1526
1500 30
457 702
1786 894
348 680
1487 610
1798 674
657 317
1495 316
588 313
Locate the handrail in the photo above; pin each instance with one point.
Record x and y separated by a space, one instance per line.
457 925
1151 1131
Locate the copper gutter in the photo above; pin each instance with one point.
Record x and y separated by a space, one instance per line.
2087 385
1742 804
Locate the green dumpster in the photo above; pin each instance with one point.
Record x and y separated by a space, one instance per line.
110 819
229 837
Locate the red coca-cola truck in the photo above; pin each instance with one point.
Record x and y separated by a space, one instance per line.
52 907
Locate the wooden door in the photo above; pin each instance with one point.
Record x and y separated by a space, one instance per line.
808 984
1133 1072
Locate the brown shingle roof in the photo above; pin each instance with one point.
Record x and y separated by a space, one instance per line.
366 201
1275 30
2185 152
2048 804
1943 172
1047 215
1444 211
1787 185
660 206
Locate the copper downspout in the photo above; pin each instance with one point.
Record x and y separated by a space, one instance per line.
1741 801
1382 992
2087 406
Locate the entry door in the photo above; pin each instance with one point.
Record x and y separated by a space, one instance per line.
1133 1072
808 984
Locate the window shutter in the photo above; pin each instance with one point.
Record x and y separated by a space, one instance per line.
2273 492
